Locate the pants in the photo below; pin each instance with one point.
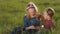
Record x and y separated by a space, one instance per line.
31 31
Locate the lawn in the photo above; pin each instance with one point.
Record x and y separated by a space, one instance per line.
12 12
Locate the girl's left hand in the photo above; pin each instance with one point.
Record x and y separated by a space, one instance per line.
30 27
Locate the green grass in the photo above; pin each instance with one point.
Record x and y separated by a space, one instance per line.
12 12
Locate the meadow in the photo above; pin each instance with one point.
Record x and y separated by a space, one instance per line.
12 12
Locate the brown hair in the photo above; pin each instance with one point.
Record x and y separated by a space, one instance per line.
50 12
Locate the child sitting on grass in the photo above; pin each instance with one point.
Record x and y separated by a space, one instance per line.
31 22
47 18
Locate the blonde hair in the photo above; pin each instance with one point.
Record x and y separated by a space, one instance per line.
35 7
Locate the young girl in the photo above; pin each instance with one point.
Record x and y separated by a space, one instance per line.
47 19
31 22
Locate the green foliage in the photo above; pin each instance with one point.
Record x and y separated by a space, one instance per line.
12 12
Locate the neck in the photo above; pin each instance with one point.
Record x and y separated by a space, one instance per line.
28 16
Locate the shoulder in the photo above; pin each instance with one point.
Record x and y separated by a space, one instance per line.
24 16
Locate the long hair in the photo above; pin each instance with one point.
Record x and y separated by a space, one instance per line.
31 5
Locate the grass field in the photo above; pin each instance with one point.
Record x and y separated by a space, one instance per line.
12 12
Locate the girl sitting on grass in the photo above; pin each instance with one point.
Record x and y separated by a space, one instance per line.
47 19
31 22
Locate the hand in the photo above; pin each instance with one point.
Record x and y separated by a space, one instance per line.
30 27
37 27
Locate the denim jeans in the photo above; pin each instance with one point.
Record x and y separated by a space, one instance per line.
31 31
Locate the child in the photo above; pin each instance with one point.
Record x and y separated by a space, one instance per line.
47 19
31 22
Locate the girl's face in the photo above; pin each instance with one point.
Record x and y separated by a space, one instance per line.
32 11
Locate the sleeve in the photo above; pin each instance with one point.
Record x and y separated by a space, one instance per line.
25 22
35 21
51 24
41 16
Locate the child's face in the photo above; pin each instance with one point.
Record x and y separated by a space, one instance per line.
31 11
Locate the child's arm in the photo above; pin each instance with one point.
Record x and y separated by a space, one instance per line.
25 22
51 25
30 27
40 16
36 22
